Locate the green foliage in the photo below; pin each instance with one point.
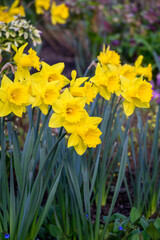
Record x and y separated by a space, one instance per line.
82 183
135 227
145 163
29 177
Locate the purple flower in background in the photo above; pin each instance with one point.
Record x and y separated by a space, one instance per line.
134 9
115 42
6 236
107 26
150 16
156 95
153 28
158 80
132 42
153 84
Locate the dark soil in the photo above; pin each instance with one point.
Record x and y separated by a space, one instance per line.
51 57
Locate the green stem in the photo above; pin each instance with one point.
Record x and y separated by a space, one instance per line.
103 170
38 123
40 133
89 67
3 170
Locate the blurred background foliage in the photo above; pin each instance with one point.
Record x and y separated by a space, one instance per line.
129 27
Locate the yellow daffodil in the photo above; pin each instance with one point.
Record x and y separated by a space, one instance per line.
107 82
8 15
145 71
24 61
14 97
77 90
51 74
59 13
4 15
90 92
67 109
108 57
137 93
15 9
84 134
127 71
42 5
77 82
45 94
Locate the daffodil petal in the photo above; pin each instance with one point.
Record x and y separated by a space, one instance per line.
73 140
140 104
80 148
56 121
5 109
17 110
128 107
104 93
3 95
44 108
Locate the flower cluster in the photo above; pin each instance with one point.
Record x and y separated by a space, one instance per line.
48 87
68 98
59 13
17 32
131 82
9 14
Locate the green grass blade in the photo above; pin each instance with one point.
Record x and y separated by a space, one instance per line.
51 195
118 184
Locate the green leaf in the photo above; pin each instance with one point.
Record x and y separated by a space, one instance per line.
153 232
134 215
118 184
157 223
135 237
145 235
51 195
55 231
17 160
118 216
